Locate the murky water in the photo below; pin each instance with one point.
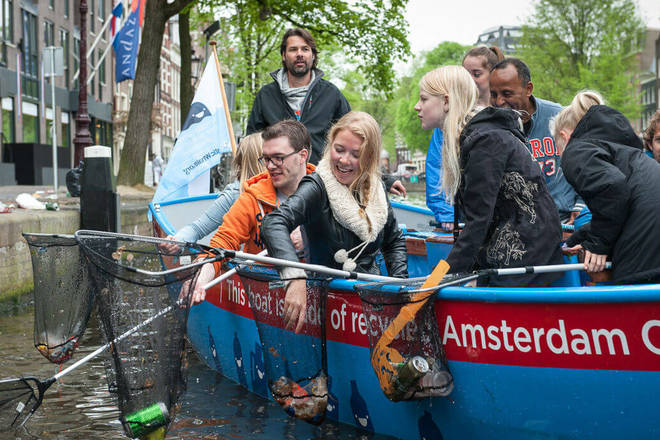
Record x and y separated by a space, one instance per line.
80 406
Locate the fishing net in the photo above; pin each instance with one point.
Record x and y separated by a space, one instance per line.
295 363
18 399
406 348
137 278
63 295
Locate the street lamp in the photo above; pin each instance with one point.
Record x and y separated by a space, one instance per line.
195 69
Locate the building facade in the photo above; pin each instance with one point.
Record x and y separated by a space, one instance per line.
26 28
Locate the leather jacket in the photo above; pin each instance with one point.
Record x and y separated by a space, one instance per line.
309 206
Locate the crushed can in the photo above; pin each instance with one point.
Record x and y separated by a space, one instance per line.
146 420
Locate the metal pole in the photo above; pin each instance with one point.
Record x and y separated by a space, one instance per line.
53 132
83 136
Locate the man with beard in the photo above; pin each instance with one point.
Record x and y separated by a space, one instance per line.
511 87
299 92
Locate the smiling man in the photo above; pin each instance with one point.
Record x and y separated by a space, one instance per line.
298 91
285 153
511 87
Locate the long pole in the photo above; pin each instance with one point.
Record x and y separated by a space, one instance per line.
224 99
83 136
53 131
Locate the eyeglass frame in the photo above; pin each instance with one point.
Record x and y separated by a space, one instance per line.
275 160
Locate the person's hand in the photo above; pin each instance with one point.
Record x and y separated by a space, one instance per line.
572 250
295 305
447 226
296 238
398 189
169 248
206 274
594 262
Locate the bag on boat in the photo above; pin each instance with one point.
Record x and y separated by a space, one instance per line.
295 363
63 294
405 343
136 278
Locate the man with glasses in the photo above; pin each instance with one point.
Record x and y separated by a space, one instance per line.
285 154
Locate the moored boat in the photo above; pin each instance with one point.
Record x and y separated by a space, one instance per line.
554 362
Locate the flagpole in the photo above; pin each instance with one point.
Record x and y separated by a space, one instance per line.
224 99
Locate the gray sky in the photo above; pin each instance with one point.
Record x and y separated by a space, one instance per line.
434 21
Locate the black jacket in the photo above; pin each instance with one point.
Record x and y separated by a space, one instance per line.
620 184
510 218
322 107
310 207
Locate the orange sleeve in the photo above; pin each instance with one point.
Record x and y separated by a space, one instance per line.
238 226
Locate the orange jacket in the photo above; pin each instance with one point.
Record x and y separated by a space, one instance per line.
242 223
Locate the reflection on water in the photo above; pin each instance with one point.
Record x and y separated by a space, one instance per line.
80 406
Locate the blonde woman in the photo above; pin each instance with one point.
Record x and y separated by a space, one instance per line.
245 165
344 210
602 158
510 218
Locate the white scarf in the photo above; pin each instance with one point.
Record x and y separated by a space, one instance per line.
345 208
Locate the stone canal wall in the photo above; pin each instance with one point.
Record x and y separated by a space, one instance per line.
15 263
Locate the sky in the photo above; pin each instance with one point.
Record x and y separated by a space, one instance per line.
433 21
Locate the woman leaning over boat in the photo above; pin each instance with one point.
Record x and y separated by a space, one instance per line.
602 159
345 212
510 218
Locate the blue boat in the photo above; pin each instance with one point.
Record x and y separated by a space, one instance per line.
566 361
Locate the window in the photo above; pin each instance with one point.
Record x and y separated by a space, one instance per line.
91 17
66 8
51 4
6 28
101 10
101 74
8 127
30 122
92 62
65 43
65 129
49 33
76 59
30 65
49 126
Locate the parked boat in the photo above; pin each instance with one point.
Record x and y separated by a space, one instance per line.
554 362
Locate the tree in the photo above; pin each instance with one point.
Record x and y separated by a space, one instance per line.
133 155
587 44
407 123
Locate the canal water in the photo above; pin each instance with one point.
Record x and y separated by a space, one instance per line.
80 406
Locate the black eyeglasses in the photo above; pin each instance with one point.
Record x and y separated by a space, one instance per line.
275 160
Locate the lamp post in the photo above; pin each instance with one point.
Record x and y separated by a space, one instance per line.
83 136
195 69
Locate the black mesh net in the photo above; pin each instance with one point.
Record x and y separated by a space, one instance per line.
296 364
18 399
63 295
137 278
406 346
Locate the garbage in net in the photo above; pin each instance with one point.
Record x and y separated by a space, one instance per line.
295 363
63 294
405 343
135 278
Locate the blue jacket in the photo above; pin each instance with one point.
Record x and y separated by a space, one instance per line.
435 199
544 151
209 221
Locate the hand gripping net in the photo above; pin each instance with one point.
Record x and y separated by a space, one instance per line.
405 343
136 278
63 295
295 363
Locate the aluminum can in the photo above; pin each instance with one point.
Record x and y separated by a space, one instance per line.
411 370
146 420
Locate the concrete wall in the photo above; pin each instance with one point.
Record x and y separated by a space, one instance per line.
15 263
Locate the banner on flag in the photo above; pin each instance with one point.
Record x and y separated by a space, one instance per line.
117 12
126 48
203 138
139 6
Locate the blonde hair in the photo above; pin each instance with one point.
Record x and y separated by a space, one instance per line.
246 162
364 126
462 95
568 118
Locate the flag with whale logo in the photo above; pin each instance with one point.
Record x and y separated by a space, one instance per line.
201 142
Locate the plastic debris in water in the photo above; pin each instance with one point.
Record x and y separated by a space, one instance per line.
308 403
